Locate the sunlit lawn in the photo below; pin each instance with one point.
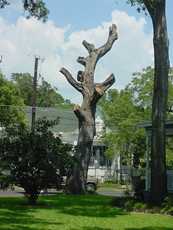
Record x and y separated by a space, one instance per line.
75 212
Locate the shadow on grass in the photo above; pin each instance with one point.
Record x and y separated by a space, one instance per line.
92 228
89 206
150 228
95 228
15 214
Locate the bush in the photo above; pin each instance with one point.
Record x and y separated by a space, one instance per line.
167 206
131 204
138 186
35 159
139 206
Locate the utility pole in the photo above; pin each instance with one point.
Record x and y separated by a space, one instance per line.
34 96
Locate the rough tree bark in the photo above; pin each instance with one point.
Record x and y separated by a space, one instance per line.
156 10
91 93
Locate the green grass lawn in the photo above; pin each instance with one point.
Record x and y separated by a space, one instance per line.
75 212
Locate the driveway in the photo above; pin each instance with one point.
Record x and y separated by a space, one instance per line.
20 192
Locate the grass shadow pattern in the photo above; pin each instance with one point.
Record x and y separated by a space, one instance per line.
88 206
66 212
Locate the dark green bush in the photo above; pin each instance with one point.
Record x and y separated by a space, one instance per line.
167 206
131 204
35 159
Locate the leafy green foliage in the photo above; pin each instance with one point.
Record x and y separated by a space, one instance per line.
139 3
47 96
124 110
141 88
35 8
37 159
169 153
167 205
3 3
122 116
131 204
10 98
144 5
24 83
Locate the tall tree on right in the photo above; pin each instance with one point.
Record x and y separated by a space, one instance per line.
157 11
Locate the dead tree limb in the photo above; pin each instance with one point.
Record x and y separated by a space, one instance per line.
71 80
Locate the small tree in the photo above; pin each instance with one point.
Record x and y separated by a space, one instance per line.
34 159
91 93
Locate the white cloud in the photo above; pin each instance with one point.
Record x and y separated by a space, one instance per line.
19 42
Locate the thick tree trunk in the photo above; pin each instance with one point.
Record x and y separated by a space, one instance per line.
78 179
159 108
91 92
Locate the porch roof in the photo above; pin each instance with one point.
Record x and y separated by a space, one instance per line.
147 125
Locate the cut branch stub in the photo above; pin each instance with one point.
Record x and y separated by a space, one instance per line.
82 60
80 76
78 112
90 47
71 80
108 82
101 88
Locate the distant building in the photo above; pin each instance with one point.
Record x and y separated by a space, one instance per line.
100 167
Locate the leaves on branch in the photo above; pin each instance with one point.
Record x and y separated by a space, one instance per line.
37 9
4 3
34 8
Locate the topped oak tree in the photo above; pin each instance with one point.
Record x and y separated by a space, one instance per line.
91 93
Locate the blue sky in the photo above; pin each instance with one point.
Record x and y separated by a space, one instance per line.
88 14
59 40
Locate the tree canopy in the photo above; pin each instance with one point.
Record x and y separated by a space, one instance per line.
123 110
47 96
10 103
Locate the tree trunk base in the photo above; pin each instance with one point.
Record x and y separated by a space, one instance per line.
75 186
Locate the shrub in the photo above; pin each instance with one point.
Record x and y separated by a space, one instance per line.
167 206
35 159
131 204
139 206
